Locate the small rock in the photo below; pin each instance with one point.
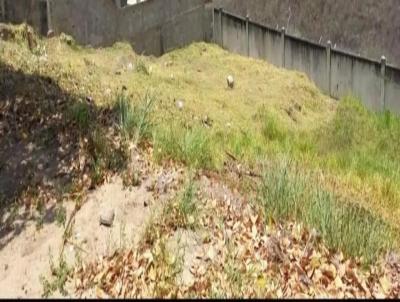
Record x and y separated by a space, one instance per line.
207 121
211 253
107 218
50 33
145 203
298 107
180 104
231 81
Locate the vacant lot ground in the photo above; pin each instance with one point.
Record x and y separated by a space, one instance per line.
267 189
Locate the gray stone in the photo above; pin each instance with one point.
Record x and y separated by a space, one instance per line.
107 217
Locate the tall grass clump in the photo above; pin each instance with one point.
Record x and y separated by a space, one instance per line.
142 67
134 119
272 130
189 145
288 193
80 113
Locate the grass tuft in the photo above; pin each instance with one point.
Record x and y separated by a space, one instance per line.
134 120
192 146
288 193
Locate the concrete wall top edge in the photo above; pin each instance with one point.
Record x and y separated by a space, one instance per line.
305 41
354 56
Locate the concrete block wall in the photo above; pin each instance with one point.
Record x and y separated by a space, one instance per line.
146 25
309 58
33 12
335 72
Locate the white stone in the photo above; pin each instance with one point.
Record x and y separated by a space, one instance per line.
180 104
231 81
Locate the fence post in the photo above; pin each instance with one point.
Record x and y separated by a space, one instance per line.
3 10
383 76
221 27
247 36
49 18
328 66
213 26
283 34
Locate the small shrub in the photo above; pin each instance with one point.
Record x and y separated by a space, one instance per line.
58 279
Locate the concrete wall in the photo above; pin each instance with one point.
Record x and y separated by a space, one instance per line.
31 11
309 58
392 89
264 44
152 27
358 76
335 72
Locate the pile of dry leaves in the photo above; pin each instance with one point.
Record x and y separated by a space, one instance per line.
240 256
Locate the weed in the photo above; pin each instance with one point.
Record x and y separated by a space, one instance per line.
134 120
80 114
187 204
41 211
183 212
141 66
61 214
287 193
167 268
192 146
272 130
105 155
58 279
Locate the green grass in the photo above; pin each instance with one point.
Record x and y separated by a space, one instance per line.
192 146
288 193
79 112
58 279
134 118
187 205
142 67
183 212
271 113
